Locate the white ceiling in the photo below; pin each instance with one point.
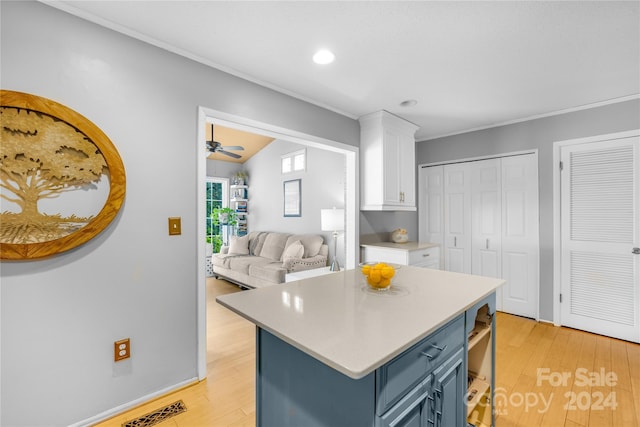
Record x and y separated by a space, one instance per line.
469 65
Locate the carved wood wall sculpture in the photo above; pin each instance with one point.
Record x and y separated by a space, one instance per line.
56 167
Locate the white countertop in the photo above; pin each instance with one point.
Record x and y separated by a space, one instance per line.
337 320
408 246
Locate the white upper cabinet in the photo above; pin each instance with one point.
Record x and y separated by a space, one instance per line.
387 162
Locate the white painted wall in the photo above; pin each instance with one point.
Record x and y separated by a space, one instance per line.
60 316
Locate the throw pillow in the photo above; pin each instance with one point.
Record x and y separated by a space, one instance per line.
239 245
294 250
311 243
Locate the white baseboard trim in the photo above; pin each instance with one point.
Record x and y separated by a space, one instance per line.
129 405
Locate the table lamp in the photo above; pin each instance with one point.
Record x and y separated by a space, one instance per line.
333 220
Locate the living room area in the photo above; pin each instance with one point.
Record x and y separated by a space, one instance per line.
318 182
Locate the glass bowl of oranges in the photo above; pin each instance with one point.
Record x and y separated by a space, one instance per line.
378 275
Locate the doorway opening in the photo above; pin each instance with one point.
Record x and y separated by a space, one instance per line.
351 197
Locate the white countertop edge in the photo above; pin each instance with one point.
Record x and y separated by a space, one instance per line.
350 372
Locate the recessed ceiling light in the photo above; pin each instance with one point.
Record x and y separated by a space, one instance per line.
408 103
323 57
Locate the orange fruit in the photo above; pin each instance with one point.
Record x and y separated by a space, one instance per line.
375 276
388 272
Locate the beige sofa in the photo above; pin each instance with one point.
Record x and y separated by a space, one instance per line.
264 258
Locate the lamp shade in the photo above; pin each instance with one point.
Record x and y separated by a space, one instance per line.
332 219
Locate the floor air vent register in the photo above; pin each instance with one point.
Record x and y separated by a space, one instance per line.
157 416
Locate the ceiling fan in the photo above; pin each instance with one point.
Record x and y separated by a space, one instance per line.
214 146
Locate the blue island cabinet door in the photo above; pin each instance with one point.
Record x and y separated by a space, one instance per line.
416 409
295 390
450 389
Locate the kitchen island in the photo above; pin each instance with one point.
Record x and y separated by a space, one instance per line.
331 352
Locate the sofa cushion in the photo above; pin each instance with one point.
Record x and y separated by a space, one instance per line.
221 260
294 250
274 245
242 263
271 272
311 243
239 245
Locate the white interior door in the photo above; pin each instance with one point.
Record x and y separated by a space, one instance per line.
520 235
431 205
457 218
486 216
600 231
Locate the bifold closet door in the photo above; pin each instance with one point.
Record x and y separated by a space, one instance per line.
486 215
457 217
520 235
431 209
600 229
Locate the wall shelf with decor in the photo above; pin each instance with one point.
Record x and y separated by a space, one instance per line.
239 203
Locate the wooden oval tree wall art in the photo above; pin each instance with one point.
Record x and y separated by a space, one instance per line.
63 181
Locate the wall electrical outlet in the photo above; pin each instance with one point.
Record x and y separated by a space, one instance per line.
121 350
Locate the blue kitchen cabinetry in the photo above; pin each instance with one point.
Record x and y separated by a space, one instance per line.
423 386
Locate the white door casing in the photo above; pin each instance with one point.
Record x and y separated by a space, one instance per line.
599 229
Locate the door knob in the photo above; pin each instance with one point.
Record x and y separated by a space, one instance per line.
635 251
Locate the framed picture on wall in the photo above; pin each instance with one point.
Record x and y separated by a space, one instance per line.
293 197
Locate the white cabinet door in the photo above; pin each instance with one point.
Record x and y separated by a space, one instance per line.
486 217
387 146
431 204
520 240
457 218
600 223
392 147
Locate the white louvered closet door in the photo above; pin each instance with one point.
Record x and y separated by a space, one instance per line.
600 220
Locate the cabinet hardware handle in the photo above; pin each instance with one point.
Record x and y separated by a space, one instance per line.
636 251
429 356
487 243
439 348
425 255
455 241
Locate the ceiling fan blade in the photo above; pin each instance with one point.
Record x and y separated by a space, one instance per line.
234 155
233 147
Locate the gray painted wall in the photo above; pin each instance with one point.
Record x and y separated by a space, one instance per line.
60 316
535 134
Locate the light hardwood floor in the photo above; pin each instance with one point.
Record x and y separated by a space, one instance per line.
525 396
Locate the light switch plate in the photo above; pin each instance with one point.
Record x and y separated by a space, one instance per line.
175 226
